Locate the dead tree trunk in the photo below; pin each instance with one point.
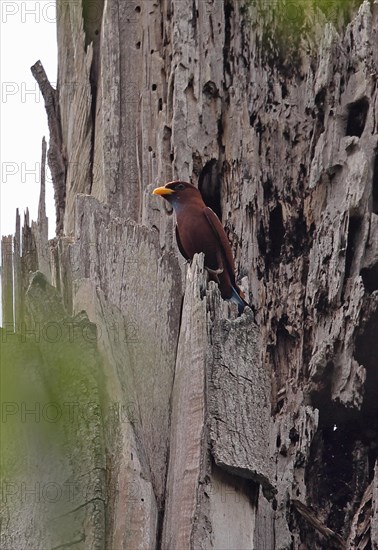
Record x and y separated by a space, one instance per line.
195 428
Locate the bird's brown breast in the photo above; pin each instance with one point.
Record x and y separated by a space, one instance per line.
197 235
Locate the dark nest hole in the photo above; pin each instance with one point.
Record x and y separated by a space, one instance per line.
276 232
338 470
370 279
345 448
357 114
209 184
271 247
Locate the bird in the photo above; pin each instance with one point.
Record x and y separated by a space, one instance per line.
198 229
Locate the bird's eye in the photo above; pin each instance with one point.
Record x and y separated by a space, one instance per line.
180 187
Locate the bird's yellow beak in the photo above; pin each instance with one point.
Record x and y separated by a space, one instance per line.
162 191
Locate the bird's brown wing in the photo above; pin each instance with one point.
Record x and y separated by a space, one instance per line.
220 233
180 247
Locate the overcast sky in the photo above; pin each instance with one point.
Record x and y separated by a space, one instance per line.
28 33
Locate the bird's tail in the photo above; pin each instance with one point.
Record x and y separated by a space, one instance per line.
237 299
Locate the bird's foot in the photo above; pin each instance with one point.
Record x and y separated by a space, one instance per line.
215 273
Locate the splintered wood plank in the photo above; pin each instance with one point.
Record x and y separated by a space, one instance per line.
188 416
239 399
7 280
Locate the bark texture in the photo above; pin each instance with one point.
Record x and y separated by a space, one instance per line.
213 431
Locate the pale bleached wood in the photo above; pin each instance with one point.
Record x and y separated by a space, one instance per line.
40 229
125 261
75 102
55 461
239 399
7 281
187 437
56 154
17 275
129 481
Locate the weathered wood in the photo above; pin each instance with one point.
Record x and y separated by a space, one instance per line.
208 503
75 101
132 507
239 399
187 437
56 155
7 280
333 539
374 512
117 148
360 534
17 274
53 431
125 260
29 258
40 229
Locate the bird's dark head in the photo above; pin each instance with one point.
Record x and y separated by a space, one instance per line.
178 193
